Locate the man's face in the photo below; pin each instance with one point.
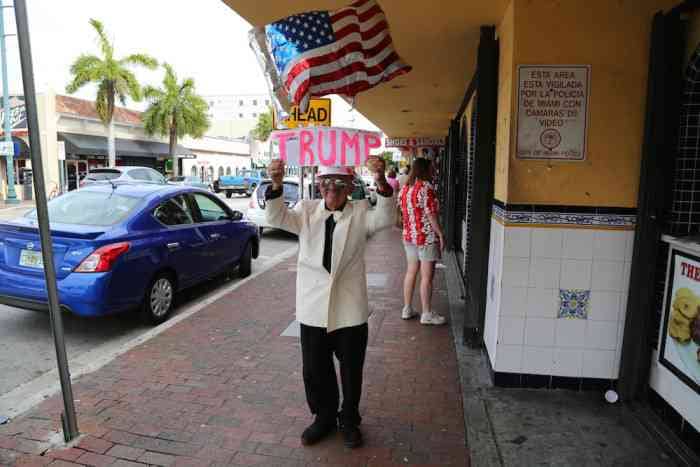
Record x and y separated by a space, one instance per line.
335 190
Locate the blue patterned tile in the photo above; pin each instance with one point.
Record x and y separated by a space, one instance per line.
574 303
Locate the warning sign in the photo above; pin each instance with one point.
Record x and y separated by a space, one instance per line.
319 114
552 111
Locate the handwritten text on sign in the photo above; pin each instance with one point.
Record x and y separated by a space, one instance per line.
325 146
552 112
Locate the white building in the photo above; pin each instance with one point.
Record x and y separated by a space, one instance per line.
237 106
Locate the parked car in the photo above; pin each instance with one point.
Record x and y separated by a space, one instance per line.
123 174
190 181
256 206
245 182
125 246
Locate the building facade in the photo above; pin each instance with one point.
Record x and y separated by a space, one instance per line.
568 186
74 142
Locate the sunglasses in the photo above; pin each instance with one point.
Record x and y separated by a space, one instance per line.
337 182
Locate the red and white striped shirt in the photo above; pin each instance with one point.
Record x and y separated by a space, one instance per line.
418 201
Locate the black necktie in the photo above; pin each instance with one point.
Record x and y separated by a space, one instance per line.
328 243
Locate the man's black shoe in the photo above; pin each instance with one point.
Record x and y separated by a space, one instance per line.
352 436
318 430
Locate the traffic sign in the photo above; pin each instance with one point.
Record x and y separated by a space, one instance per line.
7 148
319 114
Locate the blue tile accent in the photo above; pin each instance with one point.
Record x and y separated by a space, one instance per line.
573 303
564 215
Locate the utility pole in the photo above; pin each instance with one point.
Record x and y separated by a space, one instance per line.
68 418
9 147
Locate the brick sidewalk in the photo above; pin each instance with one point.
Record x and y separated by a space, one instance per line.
224 388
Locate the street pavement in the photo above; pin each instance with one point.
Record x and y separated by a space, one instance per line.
26 344
224 387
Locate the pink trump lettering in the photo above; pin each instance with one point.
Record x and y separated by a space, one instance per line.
282 137
371 142
353 142
306 140
330 147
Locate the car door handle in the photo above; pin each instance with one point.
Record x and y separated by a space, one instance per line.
173 246
215 236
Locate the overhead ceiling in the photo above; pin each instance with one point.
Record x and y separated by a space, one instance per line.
439 39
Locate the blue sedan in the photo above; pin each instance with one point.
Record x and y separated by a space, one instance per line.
119 247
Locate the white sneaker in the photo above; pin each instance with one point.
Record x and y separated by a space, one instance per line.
431 317
408 313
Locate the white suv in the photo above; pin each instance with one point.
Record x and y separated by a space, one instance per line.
124 174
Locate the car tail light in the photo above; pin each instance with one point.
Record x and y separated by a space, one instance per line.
251 203
102 259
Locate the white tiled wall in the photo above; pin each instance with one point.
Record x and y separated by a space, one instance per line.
523 333
495 281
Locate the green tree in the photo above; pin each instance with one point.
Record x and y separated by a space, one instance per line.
113 78
263 128
175 110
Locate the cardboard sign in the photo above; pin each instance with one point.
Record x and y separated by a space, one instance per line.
327 146
319 114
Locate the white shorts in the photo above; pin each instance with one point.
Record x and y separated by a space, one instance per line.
416 253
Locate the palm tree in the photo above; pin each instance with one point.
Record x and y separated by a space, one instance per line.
175 110
113 78
263 128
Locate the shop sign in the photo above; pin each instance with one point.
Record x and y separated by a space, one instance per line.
7 148
327 146
18 113
552 111
414 142
679 349
319 114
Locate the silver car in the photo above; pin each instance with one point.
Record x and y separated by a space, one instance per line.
124 174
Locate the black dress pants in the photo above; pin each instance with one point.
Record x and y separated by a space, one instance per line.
317 348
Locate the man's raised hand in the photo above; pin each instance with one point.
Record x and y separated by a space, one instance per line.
276 171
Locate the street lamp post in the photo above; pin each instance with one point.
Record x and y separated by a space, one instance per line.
68 418
9 146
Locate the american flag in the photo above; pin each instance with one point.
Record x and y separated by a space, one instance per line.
346 51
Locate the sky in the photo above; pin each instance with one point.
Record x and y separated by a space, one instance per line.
201 39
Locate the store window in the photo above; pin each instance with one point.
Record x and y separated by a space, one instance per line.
193 171
228 170
201 174
221 171
210 174
240 103
255 102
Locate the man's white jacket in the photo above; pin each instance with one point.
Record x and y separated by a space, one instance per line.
338 299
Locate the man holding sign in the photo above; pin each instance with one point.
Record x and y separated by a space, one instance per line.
331 294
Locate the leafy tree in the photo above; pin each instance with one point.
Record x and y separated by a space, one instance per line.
263 128
113 78
175 110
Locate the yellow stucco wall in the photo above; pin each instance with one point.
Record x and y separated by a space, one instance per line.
505 32
613 38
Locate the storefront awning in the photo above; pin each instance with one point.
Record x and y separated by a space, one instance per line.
89 145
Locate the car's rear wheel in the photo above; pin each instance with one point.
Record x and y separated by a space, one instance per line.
250 191
229 193
159 300
245 266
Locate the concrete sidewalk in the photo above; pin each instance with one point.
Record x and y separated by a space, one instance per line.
223 387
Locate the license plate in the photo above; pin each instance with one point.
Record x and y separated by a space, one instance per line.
31 259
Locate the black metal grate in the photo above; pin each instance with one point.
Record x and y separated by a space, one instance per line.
684 216
470 188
